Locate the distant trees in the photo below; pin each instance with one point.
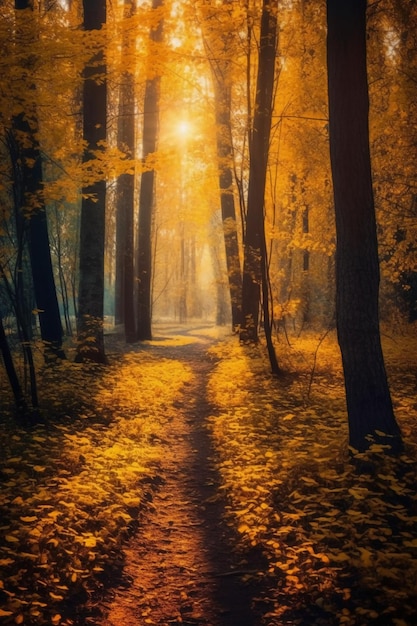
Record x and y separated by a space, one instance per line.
368 398
393 88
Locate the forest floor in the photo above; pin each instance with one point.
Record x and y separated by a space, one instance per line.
181 565
183 484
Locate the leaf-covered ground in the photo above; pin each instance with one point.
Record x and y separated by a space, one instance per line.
337 538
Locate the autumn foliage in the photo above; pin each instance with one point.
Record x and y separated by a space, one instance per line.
168 162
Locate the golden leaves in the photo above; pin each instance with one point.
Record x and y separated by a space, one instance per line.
74 487
315 518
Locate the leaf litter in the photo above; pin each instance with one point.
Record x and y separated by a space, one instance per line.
337 537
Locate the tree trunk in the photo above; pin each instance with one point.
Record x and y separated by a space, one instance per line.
369 405
93 210
20 402
28 154
227 201
258 151
125 283
146 197
218 41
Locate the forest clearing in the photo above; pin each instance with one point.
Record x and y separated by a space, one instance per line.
183 484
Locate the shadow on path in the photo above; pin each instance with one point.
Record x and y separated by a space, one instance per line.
182 566
228 568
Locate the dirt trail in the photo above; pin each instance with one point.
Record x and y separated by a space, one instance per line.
180 563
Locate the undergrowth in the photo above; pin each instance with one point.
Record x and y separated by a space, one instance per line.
338 533
72 488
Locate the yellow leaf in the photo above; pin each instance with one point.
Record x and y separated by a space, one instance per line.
90 542
19 619
380 433
56 619
54 514
340 556
39 468
29 519
54 542
366 557
243 528
5 613
309 481
55 597
11 539
359 493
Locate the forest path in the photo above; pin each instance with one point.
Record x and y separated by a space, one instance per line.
180 564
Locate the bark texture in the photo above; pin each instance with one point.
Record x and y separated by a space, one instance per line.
125 279
28 158
146 197
368 397
93 208
254 245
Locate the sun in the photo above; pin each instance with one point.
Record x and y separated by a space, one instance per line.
184 128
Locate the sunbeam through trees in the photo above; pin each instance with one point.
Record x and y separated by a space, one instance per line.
208 309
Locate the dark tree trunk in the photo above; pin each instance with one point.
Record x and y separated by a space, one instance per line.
93 210
19 398
258 154
369 405
266 310
146 196
125 289
25 129
17 301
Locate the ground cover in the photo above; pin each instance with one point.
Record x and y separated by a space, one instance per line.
72 488
338 538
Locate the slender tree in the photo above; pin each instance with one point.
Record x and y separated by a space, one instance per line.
146 196
93 208
369 405
20 402
254 243
218 45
